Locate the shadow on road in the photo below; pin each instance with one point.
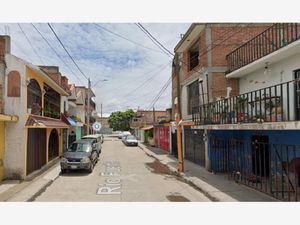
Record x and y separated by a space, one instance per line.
75 173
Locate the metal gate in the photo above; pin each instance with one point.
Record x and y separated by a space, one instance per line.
270 168
194 146
53 146
36 149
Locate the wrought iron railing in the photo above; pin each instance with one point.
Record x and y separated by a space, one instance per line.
270 168
272 39
271 104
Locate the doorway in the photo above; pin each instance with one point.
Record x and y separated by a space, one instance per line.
260 155
53 145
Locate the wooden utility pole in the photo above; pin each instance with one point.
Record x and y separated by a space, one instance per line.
178 118
153 115
88 107
101 110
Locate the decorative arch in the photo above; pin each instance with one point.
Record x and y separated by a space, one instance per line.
53 146
34 97
13 84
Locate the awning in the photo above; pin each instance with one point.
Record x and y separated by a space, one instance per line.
68 120
44 122
147 128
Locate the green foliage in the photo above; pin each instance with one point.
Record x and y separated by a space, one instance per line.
120 120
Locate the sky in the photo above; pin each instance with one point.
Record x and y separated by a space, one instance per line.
124 73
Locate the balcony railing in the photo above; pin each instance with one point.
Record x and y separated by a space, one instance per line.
272 39
276 103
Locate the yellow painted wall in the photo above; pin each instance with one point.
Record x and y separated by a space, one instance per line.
1 150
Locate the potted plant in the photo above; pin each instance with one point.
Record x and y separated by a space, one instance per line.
240 108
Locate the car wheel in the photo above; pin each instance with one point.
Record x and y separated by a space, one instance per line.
91 168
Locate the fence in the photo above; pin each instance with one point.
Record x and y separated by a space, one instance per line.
270 168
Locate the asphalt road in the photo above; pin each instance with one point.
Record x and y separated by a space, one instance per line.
122 174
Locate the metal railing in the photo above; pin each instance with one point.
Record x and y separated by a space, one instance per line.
271 104
270 168
272 39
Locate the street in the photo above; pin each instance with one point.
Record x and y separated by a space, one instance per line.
122 174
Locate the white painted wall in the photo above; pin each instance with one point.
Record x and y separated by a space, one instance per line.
15 133
62 100
279 72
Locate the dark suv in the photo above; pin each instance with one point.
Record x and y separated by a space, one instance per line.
82 154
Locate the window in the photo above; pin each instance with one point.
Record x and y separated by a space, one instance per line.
193 56
51 103
13 84
193 96
34 97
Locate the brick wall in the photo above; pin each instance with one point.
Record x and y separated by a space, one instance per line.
227 37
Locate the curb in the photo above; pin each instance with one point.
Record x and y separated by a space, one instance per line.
183 176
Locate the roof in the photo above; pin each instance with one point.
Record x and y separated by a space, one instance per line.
52 83
44 122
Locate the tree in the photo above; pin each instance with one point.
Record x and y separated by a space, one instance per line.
120 120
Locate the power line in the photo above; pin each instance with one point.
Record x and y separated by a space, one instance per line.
35 52
67 51
153 40
120 36
142 27
55 51
148 80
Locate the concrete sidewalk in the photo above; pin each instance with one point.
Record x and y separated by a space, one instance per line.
28 190
216 187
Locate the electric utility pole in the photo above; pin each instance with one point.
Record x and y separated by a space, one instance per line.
88 107
178 118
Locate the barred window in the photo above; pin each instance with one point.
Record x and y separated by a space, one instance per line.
193 96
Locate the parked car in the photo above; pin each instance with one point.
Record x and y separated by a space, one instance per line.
82 154
99 140
120 135
131 140
124 134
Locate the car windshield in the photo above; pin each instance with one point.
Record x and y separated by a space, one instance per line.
79 147
130 138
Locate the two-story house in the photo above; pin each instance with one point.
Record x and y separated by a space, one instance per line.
254 137
200 66
35 98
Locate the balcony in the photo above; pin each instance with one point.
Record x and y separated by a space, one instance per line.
277 36
276 103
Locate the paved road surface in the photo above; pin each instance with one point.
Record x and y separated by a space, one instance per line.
123 174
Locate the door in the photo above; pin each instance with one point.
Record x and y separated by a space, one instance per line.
36 149
174 144
194 145
260 155
53 145
297 94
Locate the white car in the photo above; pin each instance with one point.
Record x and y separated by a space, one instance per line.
124 134
131 140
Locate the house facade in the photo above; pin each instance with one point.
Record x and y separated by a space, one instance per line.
36 99
254 136
200 66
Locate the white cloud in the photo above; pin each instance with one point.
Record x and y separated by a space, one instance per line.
102 55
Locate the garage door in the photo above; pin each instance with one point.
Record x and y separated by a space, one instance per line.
36 149
194 146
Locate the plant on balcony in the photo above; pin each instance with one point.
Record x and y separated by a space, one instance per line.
240 108
274 109
36 109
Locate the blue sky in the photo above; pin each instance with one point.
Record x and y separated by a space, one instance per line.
102 55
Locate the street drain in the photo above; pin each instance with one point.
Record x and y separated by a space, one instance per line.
159 168
177 198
